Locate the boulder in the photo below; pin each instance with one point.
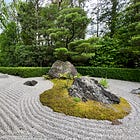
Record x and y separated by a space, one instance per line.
136 91
30 83
87 88
60 67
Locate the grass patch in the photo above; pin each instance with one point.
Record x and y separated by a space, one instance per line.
58 99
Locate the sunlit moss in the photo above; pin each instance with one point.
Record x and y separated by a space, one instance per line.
58 99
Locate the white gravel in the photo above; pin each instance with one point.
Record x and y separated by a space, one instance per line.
22 117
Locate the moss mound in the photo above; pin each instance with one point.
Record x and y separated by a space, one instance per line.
58 99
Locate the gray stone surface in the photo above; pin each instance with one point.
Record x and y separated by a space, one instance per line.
87 88
60 67
30 83
135 91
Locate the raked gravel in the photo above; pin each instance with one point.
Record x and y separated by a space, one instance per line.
22 116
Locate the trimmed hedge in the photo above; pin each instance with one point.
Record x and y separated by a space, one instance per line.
113 73
25 71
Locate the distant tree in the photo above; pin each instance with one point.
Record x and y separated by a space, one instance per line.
48 20
4 14
8 40
29 22
129 35
109 10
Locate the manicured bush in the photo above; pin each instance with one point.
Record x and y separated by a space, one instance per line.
113 73
25 71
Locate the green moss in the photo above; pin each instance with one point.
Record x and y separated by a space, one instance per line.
58 99
76 99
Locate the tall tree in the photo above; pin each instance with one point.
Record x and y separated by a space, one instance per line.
28 17
71 25
3 15
108 15
8 40
129 34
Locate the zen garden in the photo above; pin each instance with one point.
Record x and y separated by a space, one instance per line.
69 70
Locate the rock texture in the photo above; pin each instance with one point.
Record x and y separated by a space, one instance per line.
30 83
88 88
116 122
136 91
60 67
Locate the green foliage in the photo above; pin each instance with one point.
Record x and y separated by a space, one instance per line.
69 20
82 51
66 76
113 73
59 100
8 40
104 82
105 53
98 52
67 27
107 16
61 54
25 71
77 76
72 45
47 77
28 22
79 59
128 35
83 48
35 35
30 55
76 99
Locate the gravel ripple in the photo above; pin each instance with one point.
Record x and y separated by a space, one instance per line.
22 116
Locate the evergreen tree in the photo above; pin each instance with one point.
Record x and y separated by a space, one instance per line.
109 10
129 35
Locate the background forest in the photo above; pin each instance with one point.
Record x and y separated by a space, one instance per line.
37 34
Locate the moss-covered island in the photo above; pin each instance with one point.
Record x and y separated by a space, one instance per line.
59 100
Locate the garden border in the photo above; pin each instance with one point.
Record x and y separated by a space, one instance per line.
112 73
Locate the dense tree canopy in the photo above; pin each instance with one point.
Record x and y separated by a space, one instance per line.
37 34
128 35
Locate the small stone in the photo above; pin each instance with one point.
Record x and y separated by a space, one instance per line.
30 83
136 91
116 122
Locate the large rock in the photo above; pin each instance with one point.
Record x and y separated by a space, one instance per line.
88 88
60 67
